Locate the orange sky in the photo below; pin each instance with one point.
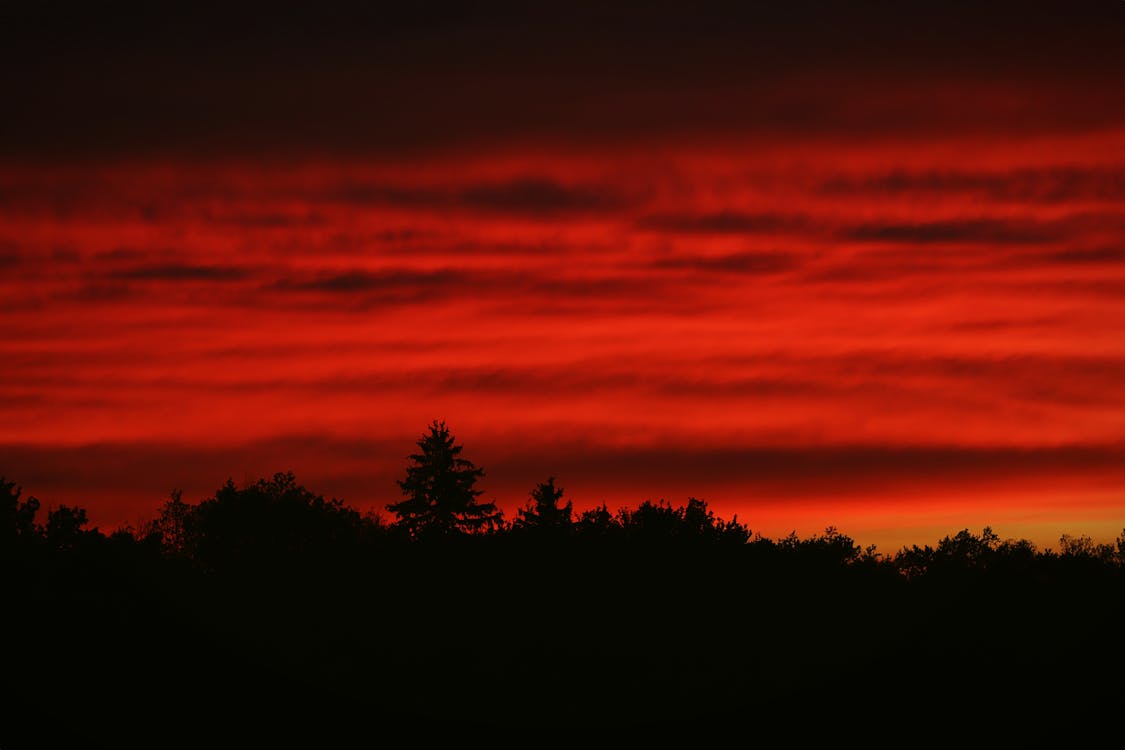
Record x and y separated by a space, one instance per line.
903 317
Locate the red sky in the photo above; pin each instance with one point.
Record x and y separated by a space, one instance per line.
810 272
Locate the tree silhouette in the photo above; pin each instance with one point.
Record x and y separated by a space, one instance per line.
597 522
440 497
271 522
172 524
694 523
17 518
65 526
829 548
543 510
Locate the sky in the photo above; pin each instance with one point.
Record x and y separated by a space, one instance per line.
818 264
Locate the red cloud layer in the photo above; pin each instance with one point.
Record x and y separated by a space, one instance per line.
896 340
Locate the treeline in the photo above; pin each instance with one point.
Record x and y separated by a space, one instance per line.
267 614
278 522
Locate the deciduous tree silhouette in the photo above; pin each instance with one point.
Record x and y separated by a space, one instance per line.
693 523
829 548
17 518
172 525
65 526
268 523
597 523
440 497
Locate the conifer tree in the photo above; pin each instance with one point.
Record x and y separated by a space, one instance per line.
543 510
440 496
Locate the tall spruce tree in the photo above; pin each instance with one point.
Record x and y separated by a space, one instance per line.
440 497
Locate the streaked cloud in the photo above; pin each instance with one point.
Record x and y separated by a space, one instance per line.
1060 184
871 329
180 272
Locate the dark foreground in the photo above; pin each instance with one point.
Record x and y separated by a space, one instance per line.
679 631
111 649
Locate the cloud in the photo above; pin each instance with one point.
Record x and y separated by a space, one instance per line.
531 291
403 282
864 272
365 289
1095 256
983 229
537 196
1027 185
180 272
583 288
97 292
818 463
526 196
723 222
979 230
750 262
600 331
277 220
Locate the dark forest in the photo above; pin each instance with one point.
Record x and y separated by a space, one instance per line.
267 613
